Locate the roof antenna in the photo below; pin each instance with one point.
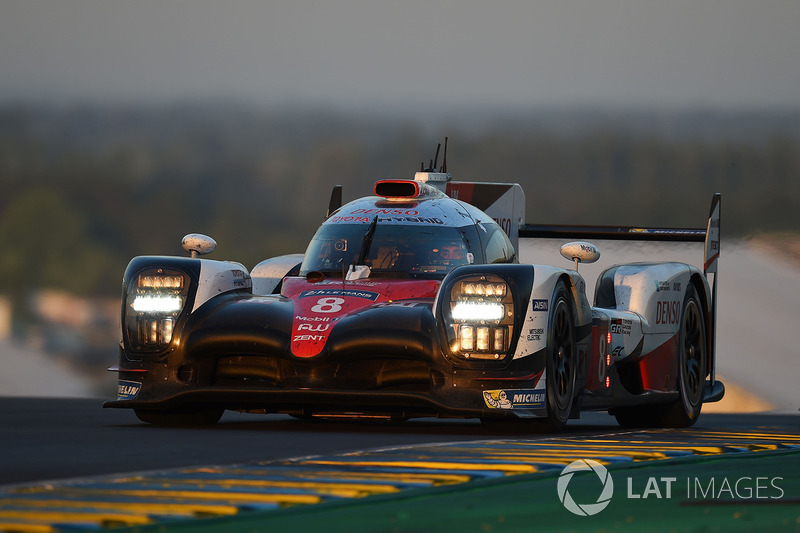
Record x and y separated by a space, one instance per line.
444 157
436 158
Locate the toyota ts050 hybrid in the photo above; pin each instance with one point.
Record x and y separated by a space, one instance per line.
411 303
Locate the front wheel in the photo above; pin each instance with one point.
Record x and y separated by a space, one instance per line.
562 360
187 417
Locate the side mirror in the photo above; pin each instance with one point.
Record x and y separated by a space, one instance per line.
580 252
198 244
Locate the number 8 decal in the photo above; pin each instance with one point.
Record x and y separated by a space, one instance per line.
328 305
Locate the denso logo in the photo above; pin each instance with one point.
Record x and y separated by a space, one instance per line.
410 212
505 224
668 312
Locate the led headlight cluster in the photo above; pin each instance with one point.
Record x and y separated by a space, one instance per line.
155 299
481 312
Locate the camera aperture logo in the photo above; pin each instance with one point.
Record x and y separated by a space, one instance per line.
585 509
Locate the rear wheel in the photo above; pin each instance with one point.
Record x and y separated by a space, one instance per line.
692 360
562 362
187 417
692 364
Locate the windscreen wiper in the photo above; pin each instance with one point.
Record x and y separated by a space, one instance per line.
366 242
358 269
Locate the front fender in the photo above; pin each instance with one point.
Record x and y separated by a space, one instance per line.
534 336
203 279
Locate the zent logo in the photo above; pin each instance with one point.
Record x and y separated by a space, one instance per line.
586 509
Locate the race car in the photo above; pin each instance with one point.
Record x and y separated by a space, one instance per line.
412 303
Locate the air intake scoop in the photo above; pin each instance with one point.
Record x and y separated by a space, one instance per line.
405 189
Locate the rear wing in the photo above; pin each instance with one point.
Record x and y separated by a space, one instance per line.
708 235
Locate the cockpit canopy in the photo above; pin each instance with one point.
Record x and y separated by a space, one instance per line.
417 251
399 247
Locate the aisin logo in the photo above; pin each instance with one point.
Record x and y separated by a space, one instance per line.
586 509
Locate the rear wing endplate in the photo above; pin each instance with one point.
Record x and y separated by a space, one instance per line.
504 202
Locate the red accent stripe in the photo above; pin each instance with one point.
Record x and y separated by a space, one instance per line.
118 369
710 261
460 191
659 368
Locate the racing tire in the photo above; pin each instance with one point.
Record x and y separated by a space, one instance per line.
561 359
692 364
183 418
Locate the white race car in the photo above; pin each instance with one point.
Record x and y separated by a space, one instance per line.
411 302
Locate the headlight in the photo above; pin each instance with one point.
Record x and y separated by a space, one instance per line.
155 299
480 318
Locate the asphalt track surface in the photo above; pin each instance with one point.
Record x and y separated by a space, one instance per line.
53 450
51 439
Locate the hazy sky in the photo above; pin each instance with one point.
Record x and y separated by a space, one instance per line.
523 53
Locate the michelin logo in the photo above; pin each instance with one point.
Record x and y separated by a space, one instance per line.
514 399
128 390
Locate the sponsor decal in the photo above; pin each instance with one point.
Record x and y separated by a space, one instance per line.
621 326
514 398
539 305
128 390
663 286
354 293
313 327
535 334
315 318
238 278
301 338
505 224
402 304
668 312
384 219
409 212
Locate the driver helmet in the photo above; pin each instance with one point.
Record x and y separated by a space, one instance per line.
449 253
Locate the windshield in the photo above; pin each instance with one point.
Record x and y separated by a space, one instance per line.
394 251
